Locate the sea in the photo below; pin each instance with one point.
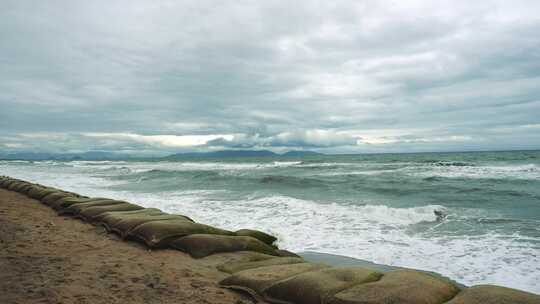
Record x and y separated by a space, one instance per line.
473 216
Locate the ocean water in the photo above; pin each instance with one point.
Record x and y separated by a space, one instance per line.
379 208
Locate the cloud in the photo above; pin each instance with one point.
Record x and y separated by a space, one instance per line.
161 140
297 139
341 76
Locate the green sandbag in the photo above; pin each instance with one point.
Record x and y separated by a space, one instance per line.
38 192
271 261
89 213
400 286
314 287
7 183
75 209
261 236
4 180
489 294
255 281
53 197
109 218
24 188
68 201
16 185
124 226
202 245
160 233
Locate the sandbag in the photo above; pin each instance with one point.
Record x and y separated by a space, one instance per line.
4 180
255 281
314 287
400 286
270 261
53 197
75 209
261 236
24 188
202 245
7 183
124 226
160 233
16 185
89 213
68 201
38 192
108 218
489 294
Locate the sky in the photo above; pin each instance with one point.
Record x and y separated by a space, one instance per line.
158 77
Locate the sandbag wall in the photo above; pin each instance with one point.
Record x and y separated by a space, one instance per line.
274 275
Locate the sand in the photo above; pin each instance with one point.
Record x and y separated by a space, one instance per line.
46 258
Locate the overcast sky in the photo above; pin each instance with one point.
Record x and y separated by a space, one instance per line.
332 76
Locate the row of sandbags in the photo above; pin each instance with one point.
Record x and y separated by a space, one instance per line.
154 227
266 272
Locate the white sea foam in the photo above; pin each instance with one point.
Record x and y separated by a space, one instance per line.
189 166
371 231
528 171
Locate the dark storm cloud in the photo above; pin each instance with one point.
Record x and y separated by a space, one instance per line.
345 76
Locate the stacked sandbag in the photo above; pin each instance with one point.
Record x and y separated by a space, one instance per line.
202 245
76 208
66 202
160 234
8 182
127 223
89 213
151 226
400 286
14 186
108 219
256 280
307 283
24 188
315 287
38 192
55 196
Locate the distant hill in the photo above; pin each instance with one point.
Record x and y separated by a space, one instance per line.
241 153
225 153
300 153
99 155
91 155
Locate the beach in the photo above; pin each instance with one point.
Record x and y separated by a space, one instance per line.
46 258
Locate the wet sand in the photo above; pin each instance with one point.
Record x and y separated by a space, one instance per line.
46 258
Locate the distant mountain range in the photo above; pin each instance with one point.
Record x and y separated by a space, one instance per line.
98 155
242 153
92 155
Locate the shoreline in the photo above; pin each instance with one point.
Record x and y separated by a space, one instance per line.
55 257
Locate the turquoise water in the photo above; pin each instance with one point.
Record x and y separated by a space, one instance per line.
379 208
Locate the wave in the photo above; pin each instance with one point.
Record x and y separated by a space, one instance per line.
524 172
438 162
